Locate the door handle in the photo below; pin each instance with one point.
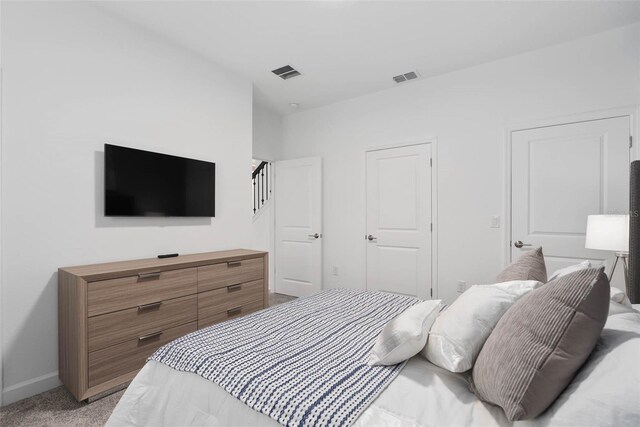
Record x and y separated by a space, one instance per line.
518 244
371 238
315 236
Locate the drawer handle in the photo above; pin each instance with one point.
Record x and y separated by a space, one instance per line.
149 275
234 263
233 288
149 306
234 310
149 336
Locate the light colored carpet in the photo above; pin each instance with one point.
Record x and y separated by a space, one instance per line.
276 299
58 408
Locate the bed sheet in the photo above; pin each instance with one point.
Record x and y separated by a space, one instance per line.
606 392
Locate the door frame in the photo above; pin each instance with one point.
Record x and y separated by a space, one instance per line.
434 205
275 220
633 112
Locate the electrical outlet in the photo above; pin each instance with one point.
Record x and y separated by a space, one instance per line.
462 286
335 270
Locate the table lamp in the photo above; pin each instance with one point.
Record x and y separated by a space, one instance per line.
610 233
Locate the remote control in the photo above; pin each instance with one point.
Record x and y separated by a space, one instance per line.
167 256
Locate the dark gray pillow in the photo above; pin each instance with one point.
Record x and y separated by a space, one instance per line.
541 341
529 266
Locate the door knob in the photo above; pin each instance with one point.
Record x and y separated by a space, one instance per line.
518 244
315 236
371 238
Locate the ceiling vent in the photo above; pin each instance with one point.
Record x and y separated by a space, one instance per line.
286 72
406 77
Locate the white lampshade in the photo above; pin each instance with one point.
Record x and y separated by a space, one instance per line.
608 233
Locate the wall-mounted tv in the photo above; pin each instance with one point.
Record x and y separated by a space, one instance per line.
143 183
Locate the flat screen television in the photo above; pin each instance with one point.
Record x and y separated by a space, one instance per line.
143 183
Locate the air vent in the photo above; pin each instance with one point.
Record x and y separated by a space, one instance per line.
405 77
286 72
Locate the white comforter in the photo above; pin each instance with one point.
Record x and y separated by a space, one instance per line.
606 392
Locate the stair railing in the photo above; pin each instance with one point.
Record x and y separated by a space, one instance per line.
261 178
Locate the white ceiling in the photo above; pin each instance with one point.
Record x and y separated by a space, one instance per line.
350 48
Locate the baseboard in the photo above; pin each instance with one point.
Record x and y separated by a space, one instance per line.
30 388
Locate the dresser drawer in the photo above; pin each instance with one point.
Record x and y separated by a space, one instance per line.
237 311
229 273
230 302
129 356
106 296
113 328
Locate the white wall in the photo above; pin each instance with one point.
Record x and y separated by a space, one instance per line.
263 236
76 77
267 144
467 111
1 352
267 133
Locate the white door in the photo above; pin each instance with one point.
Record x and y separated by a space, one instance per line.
299 226
560 175
399 220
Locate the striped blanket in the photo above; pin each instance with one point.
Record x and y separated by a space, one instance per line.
302 363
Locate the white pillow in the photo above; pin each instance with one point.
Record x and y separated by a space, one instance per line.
617 308
405 335
620 297
568 270
458 334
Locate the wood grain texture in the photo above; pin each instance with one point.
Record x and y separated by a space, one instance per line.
106 296
110 270
245 309
265 277
219 275
72 331
216 304
112 385
129 356
113 328
99 320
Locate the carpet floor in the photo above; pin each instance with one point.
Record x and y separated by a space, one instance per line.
58 408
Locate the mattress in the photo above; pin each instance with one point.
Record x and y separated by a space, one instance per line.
604 393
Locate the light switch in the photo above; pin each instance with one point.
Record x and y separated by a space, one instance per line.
495 221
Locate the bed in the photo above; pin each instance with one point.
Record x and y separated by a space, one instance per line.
605 392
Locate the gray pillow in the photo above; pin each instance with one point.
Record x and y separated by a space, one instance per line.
529 266
540 343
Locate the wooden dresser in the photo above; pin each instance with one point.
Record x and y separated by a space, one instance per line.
112 316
